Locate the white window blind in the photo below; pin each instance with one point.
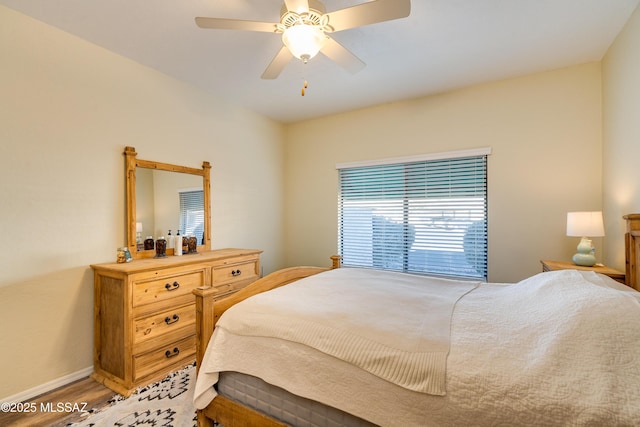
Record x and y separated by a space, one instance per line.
427 216
192 214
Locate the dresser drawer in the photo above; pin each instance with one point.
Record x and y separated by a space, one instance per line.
230 274
159 360
157 325
166 288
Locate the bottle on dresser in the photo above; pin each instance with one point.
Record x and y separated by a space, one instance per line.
177 245
170 240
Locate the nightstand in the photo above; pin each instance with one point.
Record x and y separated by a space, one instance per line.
560 265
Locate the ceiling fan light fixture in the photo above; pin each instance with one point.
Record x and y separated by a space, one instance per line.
304 41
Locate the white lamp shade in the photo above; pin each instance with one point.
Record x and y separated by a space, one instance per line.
585 224
138 227
304 41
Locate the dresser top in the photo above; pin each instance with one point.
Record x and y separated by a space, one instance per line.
138 265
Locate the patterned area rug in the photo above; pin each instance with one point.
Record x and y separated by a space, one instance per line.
167 403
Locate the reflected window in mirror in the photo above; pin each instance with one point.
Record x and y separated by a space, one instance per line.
192 214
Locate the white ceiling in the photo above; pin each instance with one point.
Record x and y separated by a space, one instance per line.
442 45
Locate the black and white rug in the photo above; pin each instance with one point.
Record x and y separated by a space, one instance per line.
167 403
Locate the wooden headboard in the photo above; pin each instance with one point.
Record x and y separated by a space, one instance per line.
632 250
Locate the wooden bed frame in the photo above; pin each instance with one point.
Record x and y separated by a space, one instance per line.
208 311
632 251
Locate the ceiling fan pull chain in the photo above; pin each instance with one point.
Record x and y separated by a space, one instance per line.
304 86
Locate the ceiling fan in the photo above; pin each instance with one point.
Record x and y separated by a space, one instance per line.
305 24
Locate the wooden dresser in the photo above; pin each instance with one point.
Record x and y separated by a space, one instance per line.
144 312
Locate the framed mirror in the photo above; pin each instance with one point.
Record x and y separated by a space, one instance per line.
162 197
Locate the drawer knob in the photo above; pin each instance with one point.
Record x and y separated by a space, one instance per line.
169 354
236 272
172 287
173 319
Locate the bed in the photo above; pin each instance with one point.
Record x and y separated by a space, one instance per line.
553 349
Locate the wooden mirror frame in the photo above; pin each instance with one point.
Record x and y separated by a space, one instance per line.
131 163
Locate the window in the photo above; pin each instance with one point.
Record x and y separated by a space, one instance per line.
420 215
192 214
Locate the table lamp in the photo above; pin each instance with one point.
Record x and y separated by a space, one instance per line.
585 225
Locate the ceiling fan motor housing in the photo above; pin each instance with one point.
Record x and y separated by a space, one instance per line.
314 17
314 6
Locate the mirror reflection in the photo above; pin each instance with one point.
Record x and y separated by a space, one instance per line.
168 201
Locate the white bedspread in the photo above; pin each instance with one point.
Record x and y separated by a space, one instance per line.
560 348
395 326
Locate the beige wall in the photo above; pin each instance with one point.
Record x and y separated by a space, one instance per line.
621 154
545 133
67 110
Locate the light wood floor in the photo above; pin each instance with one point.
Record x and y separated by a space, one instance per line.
60 406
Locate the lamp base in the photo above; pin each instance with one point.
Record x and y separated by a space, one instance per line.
585 260
585 256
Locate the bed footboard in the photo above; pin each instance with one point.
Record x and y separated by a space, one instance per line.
209 310
229 413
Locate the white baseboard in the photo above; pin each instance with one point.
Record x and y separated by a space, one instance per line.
51 385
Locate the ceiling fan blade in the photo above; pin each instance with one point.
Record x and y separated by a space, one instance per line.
235 24
277 64
298 6
342 56
369 13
